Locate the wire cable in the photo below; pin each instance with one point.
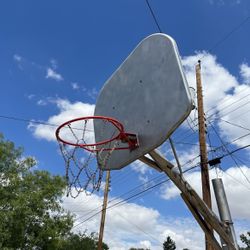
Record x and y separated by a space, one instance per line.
234 124
223 39
140 229
229 153
154 16
122 202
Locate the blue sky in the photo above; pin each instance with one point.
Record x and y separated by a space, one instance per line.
55 57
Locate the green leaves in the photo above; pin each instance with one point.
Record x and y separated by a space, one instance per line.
169 244
31 214
246 240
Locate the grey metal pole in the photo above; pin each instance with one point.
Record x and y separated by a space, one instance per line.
175 155
224 210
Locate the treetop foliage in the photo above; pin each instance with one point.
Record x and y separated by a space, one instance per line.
32 216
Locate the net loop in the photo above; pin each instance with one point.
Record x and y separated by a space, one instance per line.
85 157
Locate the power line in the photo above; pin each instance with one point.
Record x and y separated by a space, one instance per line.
219 117
230 154
234 179
231 111
38 122
135 196
156 178
119 203
154 16
28 120
219 42
140 229
234 124
176 142
225 100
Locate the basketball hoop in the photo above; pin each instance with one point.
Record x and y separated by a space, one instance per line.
85 158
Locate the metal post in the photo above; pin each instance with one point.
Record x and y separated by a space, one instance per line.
224 211
104 207
206 193
175 155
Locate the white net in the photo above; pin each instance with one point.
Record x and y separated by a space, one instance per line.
84 160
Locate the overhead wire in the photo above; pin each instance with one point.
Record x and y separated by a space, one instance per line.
219 42
140 229
228 98
158 26
136 188
234 124
188 134
137 194
28 120
119 203
235 179
223 39
230 154
154 16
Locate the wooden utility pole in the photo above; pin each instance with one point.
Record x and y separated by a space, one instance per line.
104 207
206 193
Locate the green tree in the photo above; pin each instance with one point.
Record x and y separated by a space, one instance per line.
169 244
81 242
31 214
246 240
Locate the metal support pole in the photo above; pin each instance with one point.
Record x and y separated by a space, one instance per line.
104 207
224 210
206 193
175 155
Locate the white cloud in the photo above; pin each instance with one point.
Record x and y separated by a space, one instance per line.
92 93
224 2
53 63
75 85
236 186
216 80
224 96
140 167
217 2
41 102
132 225
17 58
145 244
245 72
236 111
124 223
189 156
31 96
52 74
67 111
